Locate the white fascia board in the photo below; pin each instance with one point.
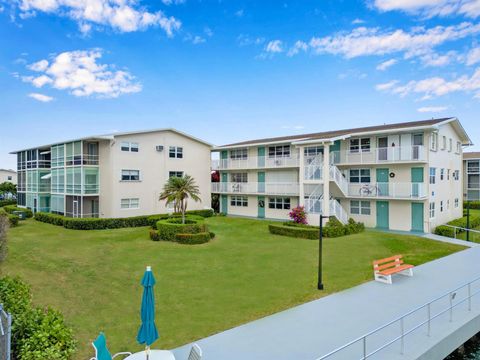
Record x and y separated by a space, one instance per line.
239 146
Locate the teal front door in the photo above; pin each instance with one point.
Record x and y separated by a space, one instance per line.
417 217
382 182
261 207
382 215
261 182
224 204
417 179
261 157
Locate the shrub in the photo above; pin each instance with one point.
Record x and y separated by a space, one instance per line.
4 220
198 238
105 223
49 218
460 223
168 228
298 215
13 220
205 213
11 208
445 231
154 235
473 205
8 202
36 333
333 228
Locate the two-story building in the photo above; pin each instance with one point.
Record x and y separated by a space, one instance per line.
8 175
405 176
114 175
471 175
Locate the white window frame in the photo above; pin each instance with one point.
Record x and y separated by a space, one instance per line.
129 146
239 154
130 173
279 151
444 142
432 175
175 174
360 176
175 152
432 210
279 203
450 144
442 174
441 205
360 207
434 141
130 203
239 201
358 145
459 147
239 177
456 203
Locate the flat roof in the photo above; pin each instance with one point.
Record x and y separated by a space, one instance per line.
111 136
471 155
327 135
9 170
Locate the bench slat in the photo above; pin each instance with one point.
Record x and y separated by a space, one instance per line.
389 259
388 265
396 269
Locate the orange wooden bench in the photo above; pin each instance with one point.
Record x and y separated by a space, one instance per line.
383 269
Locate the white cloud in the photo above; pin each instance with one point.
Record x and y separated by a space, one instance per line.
208 31
436 86
433 59
386 86
434 109
121 15
79 73
40 97
274 46
299 46
173 2
386 64
239 13
430 8
358 21
473 56
194 39
245 40
364 41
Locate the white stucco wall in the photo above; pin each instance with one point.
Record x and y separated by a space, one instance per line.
5 174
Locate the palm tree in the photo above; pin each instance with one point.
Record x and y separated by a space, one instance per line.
177 190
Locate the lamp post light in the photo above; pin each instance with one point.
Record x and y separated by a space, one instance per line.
320 253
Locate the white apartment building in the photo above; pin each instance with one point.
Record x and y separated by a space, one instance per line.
114 175
471 184
8 175
405 176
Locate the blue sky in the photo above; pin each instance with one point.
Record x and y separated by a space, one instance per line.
232 70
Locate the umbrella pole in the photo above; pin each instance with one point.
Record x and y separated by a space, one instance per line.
147 350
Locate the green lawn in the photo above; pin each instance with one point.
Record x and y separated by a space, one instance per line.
473 235
244 274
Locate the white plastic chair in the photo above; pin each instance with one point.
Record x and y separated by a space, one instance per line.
101 351
195 353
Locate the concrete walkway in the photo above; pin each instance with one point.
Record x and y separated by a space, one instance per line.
311 330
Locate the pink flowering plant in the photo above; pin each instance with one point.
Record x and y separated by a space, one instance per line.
298 215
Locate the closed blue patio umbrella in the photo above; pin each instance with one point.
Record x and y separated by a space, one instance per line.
147 334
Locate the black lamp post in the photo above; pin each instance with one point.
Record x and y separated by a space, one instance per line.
468 220
320 251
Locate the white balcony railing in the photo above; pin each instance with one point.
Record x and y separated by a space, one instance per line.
256 162
339 179
380 155
269 188
338 211
387 190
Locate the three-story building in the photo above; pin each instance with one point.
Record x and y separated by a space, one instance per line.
114 175
471 166
405 176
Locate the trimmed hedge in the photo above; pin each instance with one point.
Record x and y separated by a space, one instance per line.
193 239
333 228
461 223
36 333
169 228
114 223
11 208
475 205
12 219
7 202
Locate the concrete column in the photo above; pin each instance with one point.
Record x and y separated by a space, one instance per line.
301 184
326 180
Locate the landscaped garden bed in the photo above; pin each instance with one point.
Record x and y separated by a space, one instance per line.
192 231
333 228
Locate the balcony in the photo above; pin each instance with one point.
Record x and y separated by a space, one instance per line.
267 188
256 162
395 190
390 154
84 159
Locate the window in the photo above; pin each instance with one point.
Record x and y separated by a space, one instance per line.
456 175
360 207
459 147
279 151
441 206
313 150
129 146
9 178
175 174
432 175
239 177
448 174
175 152
279 203
432 210
362 144
133 203
444 142
456 202
434 142
130 175
239 154
450 144
239 201
473 166
359 175
442 173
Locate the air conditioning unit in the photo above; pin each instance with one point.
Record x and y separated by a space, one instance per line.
159 148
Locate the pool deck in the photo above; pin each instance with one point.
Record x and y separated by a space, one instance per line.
310 330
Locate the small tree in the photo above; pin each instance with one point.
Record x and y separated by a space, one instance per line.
8 188
298 215
178 190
